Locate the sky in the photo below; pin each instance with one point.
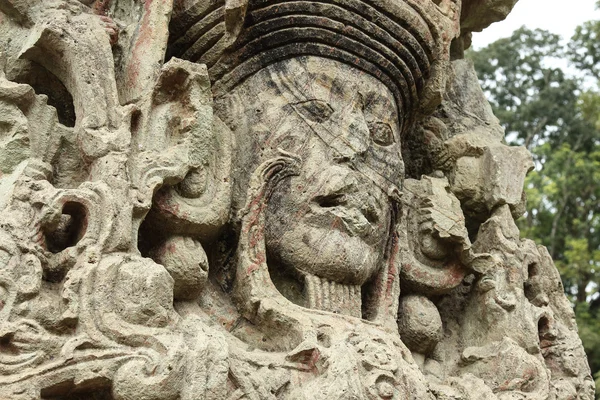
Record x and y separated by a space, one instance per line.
558 16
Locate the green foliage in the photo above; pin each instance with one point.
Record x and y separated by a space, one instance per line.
533 99
563 215
589 331
557 116
590 107
584 48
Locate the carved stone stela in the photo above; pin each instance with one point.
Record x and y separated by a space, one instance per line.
266 199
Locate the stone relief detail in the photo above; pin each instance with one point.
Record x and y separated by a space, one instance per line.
251 199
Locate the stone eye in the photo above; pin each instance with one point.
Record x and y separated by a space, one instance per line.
381 133
314 110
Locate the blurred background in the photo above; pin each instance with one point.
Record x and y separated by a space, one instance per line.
540 69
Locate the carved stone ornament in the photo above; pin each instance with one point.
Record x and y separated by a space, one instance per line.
266 199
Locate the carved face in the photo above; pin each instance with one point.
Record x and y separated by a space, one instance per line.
333 219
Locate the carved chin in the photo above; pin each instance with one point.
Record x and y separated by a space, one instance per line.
324 252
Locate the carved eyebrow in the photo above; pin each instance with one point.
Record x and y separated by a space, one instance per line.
318 110
295 107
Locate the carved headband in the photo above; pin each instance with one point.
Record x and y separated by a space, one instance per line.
400 42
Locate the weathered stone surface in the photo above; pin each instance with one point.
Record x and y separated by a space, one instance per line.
251 199
479 14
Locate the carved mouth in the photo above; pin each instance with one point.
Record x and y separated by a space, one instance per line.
331 200
357 217
364 206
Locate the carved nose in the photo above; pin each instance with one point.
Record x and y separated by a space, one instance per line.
358 133
340 181
353 138
343 187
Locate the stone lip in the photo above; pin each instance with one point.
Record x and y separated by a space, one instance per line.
479 14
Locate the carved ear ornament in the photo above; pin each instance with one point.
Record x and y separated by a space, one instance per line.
253 282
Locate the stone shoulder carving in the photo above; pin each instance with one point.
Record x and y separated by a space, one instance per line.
249 199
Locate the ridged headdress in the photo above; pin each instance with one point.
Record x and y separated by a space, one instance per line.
400 42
